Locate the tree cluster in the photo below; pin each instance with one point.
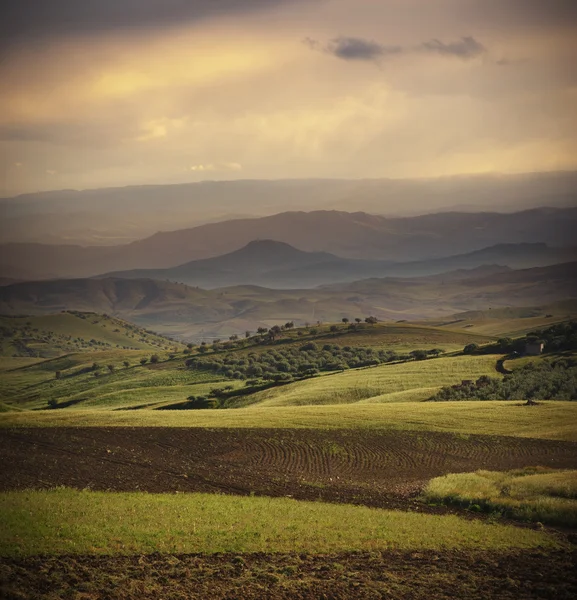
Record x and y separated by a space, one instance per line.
544 381
298 361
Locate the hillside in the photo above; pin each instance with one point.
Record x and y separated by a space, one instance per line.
193 313
103 376
349 235
52 335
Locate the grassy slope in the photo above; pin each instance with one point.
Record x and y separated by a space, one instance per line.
549 420
52 335
67 521
384 383
543 495
34 386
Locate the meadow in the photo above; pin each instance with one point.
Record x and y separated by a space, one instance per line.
66 521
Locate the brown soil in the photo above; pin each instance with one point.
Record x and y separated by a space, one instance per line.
344 576
385 469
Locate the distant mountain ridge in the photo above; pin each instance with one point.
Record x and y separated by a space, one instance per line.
274 264
358 236
113 216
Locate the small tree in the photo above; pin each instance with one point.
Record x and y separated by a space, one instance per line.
334 328
345 320
358 321
154 359
126 364
111 368
143 360
58 374
371 320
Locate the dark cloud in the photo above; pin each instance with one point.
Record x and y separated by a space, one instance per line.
351 48
466 47
26 20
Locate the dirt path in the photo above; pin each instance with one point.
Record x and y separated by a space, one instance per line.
383 469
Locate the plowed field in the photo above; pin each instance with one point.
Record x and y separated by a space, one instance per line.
384 469
345 576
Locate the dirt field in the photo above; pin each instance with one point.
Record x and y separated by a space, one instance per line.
384 469
362 576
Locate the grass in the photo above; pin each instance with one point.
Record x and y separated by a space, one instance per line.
66 521
410 381
550 420
543 495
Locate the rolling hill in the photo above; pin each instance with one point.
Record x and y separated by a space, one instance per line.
179 310
358 236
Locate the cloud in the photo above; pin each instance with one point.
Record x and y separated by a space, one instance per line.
467 47
27 20
226 166
352 48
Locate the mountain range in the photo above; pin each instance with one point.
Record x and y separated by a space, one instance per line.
352 236
275 264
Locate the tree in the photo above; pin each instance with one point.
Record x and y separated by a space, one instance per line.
111 368
470 348
273 332
358 321
154 359
143 360
247 334
261 330
345 320
334 328
126 364
289 325
371 320
58 374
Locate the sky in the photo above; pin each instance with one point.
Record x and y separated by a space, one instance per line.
125 92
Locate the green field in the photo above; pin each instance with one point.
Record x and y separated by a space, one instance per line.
65 521
550 420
